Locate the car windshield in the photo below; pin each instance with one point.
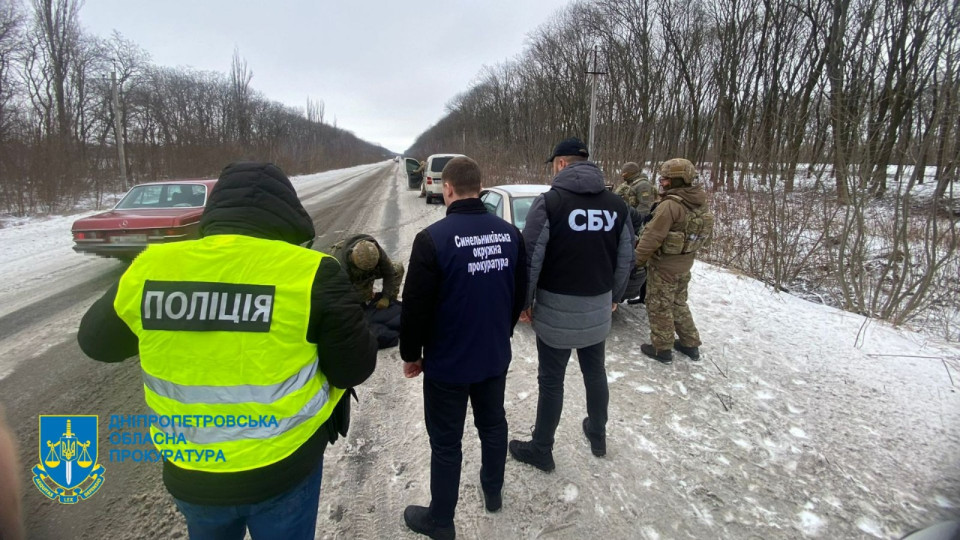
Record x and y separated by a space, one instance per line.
519 208
439 163
164 196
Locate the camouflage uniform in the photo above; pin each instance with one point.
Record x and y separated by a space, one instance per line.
636 189
389 271
669 275
668 311
624 191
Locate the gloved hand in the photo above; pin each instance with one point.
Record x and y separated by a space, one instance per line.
383 303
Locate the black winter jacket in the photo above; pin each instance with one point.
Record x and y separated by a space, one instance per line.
258 200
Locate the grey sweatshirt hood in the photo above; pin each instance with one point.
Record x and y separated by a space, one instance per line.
580 177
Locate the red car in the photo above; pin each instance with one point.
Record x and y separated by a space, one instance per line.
153 213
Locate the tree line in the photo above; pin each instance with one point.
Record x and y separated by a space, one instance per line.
60 122
798 114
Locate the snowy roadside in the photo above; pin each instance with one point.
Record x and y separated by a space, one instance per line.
38 263
37 259
800 420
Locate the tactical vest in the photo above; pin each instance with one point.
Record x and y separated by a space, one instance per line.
695 232
645 195
585 229
227 368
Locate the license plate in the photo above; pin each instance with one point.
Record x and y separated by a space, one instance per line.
129 239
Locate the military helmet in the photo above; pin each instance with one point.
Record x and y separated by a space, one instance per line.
679 168
365 255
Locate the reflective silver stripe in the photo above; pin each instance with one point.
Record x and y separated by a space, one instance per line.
213 434
241 393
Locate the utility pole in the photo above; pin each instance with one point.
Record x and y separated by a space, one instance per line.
117 128
594 71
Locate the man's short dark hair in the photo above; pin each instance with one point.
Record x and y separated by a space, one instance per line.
463 174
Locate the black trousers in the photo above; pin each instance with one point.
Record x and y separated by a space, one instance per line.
550 374
445 410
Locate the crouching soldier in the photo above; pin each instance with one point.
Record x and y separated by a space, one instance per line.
366 262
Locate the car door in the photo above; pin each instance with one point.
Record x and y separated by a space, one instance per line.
413 178
493 202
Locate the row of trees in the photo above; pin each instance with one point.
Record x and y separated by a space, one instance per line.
759 85
799 114
59 134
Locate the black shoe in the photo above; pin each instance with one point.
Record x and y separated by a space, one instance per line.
419 520
597 445
525 452
665 356
635 301
692 352
493 502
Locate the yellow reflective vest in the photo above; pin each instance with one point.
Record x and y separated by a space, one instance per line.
227 368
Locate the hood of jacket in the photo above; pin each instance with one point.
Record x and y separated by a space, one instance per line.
580 177
693 195
256 199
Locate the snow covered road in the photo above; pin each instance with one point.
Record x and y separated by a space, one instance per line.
800 421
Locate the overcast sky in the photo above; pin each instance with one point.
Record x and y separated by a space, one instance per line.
385 70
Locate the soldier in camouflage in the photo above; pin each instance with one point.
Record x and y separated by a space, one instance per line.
681 224
366 262
636 189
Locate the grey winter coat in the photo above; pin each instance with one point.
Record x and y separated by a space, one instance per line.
568 321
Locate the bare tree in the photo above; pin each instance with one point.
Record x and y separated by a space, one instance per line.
11 159
58 31
240 77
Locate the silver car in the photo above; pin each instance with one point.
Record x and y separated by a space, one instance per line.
512 202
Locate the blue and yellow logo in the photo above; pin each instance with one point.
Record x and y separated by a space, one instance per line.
68 470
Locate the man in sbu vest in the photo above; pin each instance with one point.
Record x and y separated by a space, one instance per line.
462 298
681 224
580 247
247 342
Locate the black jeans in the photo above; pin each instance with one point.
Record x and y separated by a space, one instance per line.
553 367
445 410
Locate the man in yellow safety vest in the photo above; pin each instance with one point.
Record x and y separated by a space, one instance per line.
248 343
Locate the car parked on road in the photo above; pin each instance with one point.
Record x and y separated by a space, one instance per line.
152 213
512 202
432 186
